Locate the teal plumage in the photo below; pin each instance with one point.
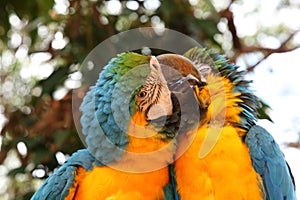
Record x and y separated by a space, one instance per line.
57 186
269 162
103 126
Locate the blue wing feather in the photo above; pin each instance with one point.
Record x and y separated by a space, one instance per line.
269 162
58 184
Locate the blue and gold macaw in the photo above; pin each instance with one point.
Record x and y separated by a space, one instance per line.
226 155
110 167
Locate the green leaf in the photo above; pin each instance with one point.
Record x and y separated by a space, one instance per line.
262 111
45 6
41 155
60 137
16 171
56 78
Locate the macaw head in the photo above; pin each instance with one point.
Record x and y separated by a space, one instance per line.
224 93
165 103
153 98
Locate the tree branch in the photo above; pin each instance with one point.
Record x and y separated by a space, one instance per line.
268 51
240 48
231 26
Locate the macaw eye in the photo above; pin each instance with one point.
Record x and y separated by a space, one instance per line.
142 94
146 97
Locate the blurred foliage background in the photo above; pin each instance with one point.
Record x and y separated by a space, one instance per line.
42 44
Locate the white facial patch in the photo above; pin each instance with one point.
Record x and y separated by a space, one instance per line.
162 108
156 111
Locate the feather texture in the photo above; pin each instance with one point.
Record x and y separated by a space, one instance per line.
274 177
107 110
59 184
103 126
220 65
269 162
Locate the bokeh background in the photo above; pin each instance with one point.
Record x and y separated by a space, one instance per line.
42 44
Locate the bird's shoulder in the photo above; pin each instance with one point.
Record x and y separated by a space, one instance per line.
61 182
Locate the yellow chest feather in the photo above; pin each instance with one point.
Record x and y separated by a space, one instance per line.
224 173
106 183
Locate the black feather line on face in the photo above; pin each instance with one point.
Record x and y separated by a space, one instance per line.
148 95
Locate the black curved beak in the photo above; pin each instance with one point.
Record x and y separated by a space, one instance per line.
185 102
183 84
185 114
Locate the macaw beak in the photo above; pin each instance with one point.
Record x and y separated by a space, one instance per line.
180 73
184 99
183 84
182 76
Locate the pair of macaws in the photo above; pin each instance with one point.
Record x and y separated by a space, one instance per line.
172 127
